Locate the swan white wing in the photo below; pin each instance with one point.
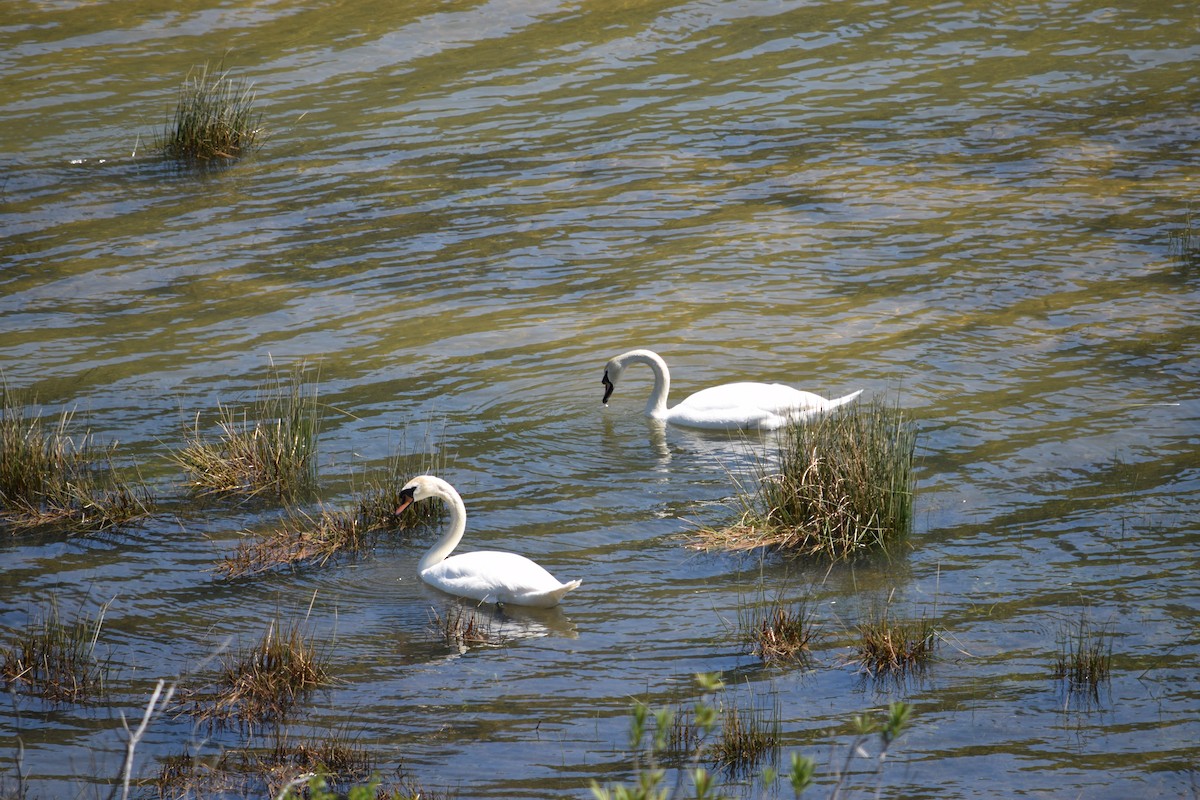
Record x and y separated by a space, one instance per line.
492 576
745 405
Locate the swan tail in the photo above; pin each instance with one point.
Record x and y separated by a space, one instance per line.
841 401
558 593
805 414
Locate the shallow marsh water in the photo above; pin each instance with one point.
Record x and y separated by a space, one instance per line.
462 210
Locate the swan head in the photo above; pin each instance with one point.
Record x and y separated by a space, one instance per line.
612 374
419 488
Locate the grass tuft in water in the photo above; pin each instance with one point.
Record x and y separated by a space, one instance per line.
748 737
264 682
895 647
778 633
214 119
342 765
841 484
269 447
303 539
49 477
56 660
1084 660
1184 244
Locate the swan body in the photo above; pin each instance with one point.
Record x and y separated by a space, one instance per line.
488 576
765 406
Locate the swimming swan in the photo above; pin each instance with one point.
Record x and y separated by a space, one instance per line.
766 406
489 576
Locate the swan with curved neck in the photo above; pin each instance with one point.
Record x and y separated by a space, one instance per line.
765 406
489 576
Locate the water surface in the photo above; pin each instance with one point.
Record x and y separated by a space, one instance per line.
463 209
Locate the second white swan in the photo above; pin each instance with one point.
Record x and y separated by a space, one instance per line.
765 406
490 576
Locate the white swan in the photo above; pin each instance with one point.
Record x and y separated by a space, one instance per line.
489 576
766 406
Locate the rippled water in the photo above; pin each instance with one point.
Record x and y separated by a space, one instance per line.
463 210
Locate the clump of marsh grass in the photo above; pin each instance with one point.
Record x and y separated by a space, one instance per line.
50 477
300 539
56 660
1084 660
1185 243
778 633
264 682
269 447
288 762
748 737
841 484
891 647
303 539
214 119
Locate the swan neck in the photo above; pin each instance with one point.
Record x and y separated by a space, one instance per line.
656 405
453 534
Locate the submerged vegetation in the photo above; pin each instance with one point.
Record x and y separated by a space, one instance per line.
841 484
269 446
463 628
214 119
56 660
48 476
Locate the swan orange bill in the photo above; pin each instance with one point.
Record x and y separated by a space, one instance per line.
406 499
608 388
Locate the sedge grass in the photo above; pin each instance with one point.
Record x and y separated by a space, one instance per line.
214 119
49 476
269 447
246 772
1184 244
56 660
1084 660
841 484
261 683
748 737
892 647
778 633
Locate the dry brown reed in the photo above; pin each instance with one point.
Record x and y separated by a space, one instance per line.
303 539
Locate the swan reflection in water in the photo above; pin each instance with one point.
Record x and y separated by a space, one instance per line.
463 624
